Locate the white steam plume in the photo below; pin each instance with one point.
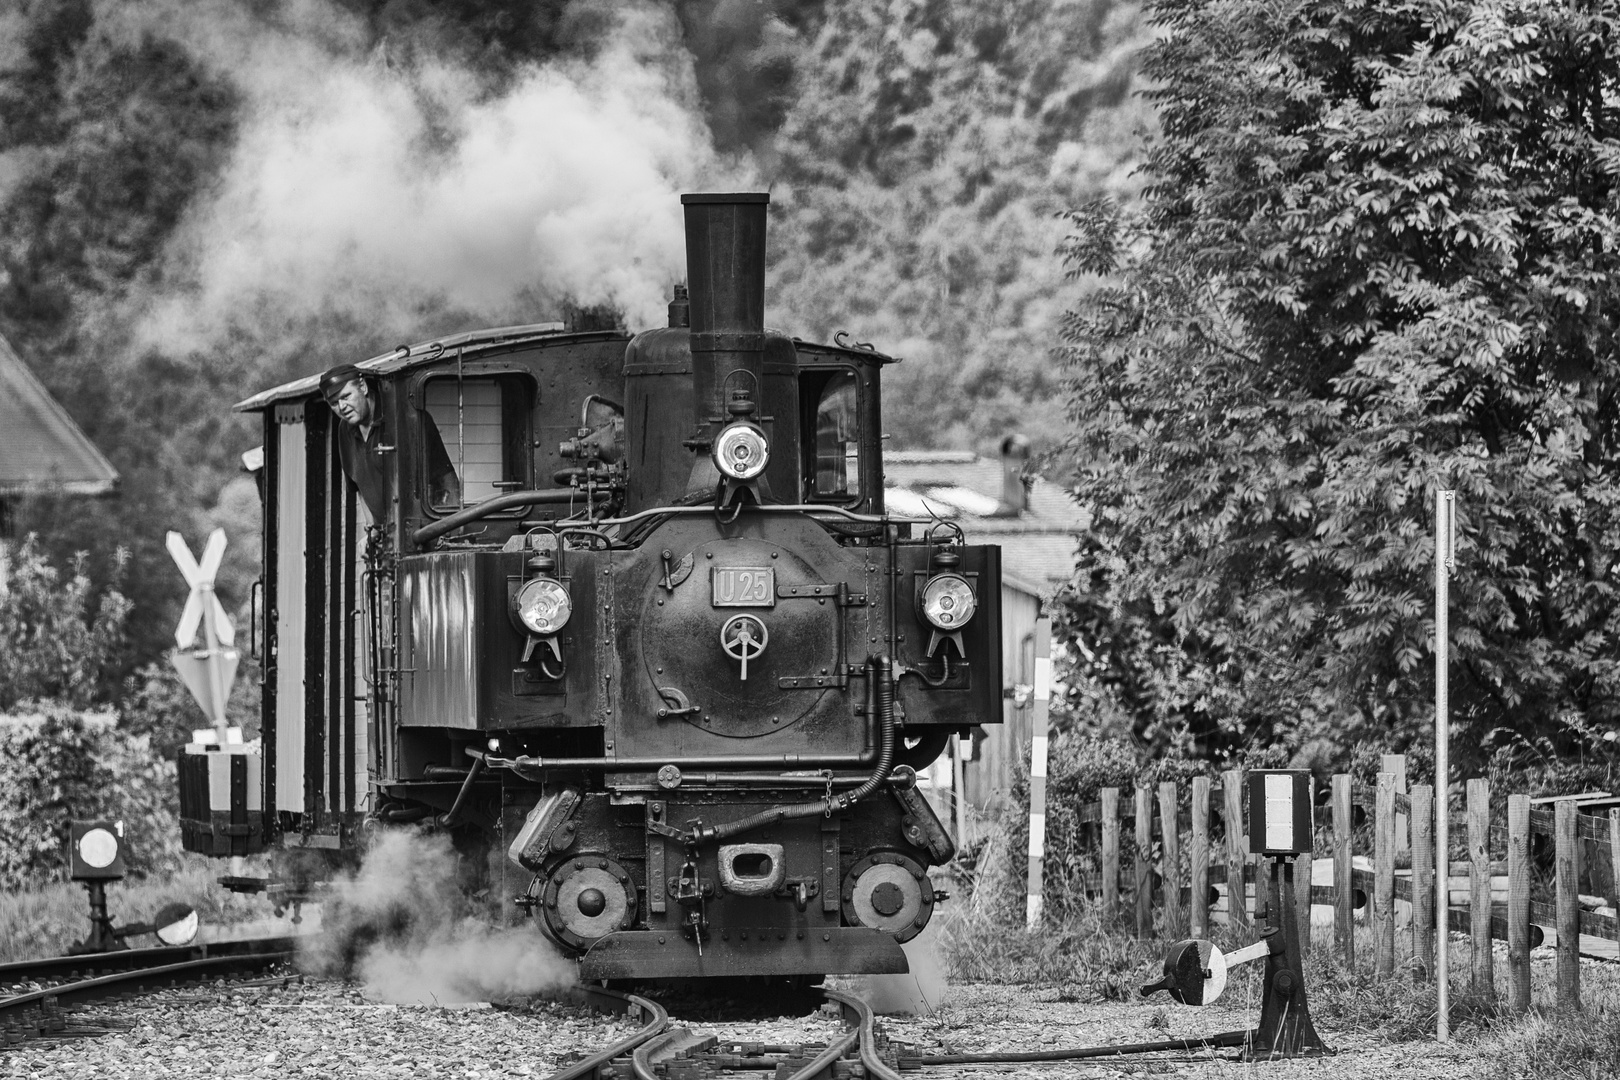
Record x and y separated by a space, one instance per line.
917 993
362 187
403 927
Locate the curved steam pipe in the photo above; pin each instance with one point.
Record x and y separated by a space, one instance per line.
511 500
880 688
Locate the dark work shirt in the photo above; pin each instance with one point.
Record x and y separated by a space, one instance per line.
367 465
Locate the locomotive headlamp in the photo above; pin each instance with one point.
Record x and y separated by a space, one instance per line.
543 606
947 601
741 452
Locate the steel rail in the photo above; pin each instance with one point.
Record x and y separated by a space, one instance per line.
57 967
835 1051
1225 1040
641 1062
139 979
605 1000
875 1066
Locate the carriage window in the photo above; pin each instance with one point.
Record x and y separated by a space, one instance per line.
474 435
838 453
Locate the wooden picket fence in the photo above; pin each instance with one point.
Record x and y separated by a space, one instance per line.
1401 828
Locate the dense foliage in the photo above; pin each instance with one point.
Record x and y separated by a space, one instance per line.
916 151
60 764
919 171
59 639
1377 257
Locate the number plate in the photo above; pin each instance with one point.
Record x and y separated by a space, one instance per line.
743 586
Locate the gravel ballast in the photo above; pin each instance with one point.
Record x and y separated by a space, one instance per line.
329 1029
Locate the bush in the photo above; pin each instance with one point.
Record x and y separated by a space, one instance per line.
57 640
59 764
157 704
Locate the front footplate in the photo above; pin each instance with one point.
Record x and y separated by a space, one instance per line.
657 954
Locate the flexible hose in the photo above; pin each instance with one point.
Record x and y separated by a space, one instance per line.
879 671
880 674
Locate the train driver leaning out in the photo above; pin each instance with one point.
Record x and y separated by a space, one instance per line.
362 445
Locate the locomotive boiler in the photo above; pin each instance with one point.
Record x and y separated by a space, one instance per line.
659 644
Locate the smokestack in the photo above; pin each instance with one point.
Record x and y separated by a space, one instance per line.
1014 457
725 276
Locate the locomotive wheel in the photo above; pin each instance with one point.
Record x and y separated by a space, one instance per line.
587 898
890 892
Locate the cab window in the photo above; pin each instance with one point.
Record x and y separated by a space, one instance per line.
836 473
474 435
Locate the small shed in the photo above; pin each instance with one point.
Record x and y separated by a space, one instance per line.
42 451
1036 523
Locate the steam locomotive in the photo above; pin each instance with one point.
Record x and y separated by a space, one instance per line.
659 647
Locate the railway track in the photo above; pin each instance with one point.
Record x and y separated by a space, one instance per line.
42 997
659 1051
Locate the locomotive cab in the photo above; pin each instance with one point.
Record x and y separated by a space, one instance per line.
630 616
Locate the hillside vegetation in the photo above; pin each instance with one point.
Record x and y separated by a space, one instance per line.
201 199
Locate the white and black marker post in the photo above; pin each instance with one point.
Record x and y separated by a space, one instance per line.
1445 561
1037 768
209 668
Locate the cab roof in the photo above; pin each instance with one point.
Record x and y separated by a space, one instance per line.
411 356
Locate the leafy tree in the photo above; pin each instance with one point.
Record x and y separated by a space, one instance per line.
918 171
1377 256
59 641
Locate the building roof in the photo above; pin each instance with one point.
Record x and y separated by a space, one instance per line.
1037 546
41 448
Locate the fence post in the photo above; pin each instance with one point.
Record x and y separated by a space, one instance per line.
1396 763
1479 888
1110 854
1344 927
1384 877
1614 868
1170 863
1518 913
1568 908
1144 867
1199 899
1423 880
1237 850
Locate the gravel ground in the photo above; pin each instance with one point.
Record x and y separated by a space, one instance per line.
979 1018
326 1029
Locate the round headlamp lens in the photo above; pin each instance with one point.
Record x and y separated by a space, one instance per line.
98 848
543 606
741 452
948 601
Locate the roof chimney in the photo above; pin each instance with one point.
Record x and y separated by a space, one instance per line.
1014 459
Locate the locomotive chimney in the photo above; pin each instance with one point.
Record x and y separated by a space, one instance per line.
725 274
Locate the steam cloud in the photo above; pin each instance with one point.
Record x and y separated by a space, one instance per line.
917 993
403 926
381 190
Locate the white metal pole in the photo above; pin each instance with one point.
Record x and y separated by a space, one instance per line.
1445 504
1037 771
959 789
